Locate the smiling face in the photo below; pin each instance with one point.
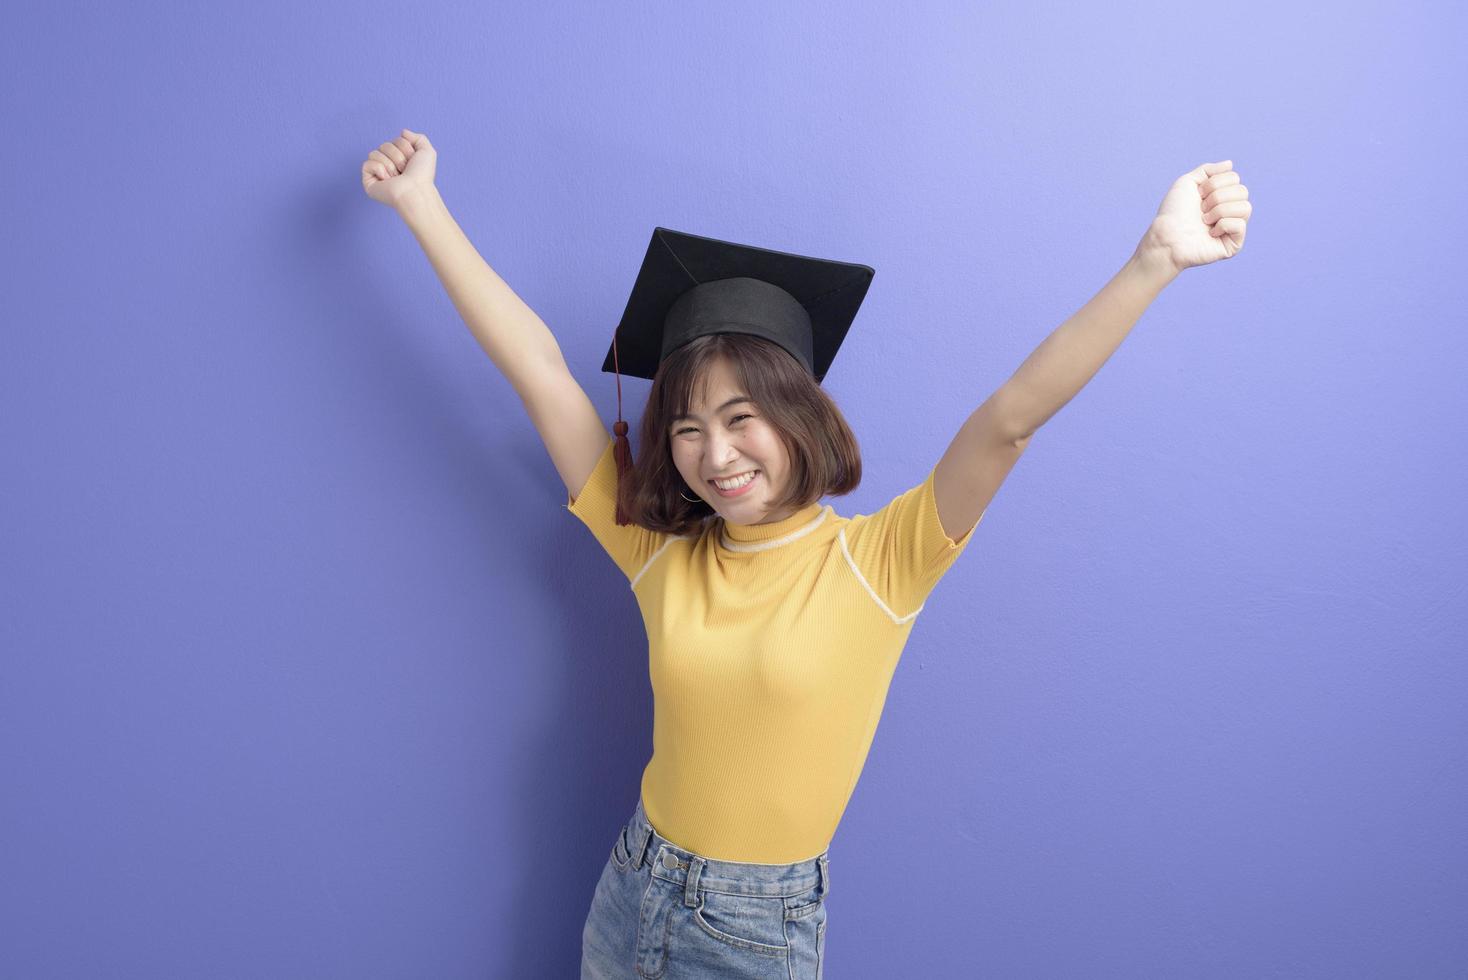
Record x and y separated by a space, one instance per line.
724 437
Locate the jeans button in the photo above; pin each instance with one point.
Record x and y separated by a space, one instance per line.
669 861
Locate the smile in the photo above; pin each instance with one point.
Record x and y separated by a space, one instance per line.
739 486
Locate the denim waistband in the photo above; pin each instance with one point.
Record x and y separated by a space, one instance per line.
678 864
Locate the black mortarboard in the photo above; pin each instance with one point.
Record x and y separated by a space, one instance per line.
690 286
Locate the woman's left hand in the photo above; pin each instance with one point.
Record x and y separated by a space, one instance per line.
1202 218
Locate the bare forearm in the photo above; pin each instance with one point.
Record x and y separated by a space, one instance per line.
511 333
1067 359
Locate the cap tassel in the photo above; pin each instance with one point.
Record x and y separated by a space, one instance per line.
622 451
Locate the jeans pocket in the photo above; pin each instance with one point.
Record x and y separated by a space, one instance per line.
748 922
805 929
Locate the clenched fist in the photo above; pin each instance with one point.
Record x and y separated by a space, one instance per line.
399 167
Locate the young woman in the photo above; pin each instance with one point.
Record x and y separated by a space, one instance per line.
774 624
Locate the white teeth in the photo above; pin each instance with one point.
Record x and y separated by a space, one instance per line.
734 484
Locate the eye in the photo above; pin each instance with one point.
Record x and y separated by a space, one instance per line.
736 418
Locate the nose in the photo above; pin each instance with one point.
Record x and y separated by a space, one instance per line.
721 452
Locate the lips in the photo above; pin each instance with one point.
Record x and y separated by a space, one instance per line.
737 491
733 476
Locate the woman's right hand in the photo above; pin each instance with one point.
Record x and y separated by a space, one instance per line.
399 167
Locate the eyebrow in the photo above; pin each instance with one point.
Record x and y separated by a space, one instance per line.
733 401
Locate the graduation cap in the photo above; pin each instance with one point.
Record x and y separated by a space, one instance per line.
690 286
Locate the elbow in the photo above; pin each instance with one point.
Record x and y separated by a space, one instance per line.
1010 418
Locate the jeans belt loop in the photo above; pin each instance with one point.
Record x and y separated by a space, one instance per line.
644 837
690 886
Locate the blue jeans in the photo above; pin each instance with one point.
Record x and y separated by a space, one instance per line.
662 912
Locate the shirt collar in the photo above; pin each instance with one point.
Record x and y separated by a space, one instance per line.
757 537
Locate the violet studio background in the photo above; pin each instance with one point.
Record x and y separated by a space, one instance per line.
307 671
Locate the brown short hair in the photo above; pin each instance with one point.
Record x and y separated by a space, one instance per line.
824 457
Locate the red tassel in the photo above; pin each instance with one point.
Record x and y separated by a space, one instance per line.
622 451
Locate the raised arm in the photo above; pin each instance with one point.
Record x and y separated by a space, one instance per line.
400 174
993 438
1202 219
515 338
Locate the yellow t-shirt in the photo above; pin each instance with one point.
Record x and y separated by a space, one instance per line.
770 648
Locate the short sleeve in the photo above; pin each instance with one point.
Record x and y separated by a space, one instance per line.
902 550
630 546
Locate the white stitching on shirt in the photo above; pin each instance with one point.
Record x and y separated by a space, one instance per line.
799 532
867 585
648 563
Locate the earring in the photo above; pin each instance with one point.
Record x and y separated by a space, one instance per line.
691 500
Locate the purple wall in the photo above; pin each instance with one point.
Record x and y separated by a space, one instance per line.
308 673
